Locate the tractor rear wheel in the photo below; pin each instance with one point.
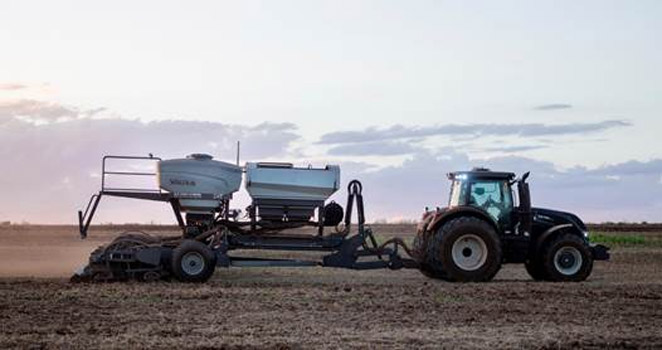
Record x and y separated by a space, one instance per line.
535 269
465 249
419 248
193 261
567 258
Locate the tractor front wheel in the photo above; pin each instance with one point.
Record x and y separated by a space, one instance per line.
567 258
535 269
193 261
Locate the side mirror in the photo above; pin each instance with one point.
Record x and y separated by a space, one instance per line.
525 176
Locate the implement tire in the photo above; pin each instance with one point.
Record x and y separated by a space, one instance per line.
193 261
465 249
566 259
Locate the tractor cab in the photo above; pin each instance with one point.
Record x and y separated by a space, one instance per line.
491 192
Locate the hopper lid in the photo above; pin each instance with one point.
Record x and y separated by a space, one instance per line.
199 156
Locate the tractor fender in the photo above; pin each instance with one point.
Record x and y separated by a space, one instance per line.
444 216
549 233
427 217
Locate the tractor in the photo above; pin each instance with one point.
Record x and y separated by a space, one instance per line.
483 227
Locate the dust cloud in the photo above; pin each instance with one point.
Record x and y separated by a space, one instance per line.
51 251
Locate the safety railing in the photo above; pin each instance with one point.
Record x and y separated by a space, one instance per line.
85 217
105 173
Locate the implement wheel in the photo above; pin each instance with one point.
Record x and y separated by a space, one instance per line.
567 258
466 249
193 261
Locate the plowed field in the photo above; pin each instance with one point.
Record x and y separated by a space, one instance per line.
619 306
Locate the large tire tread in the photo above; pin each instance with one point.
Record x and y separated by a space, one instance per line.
440 256
188 246
535 269
550 249
420 250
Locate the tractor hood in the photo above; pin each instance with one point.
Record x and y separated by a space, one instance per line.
550 217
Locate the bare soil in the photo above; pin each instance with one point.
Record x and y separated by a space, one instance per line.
620 306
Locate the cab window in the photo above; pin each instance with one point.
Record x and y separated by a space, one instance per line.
457 193
492 196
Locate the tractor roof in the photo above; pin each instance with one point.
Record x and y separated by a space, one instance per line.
481 173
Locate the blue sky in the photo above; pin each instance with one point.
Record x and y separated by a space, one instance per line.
568 88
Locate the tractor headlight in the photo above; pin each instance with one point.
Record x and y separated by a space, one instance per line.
585 234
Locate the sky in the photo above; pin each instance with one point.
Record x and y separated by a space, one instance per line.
398 93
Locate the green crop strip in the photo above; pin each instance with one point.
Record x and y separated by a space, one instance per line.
626 240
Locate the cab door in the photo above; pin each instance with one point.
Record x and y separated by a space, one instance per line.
495 198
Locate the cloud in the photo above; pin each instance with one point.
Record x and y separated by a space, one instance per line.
395 148
12 87
632 168
399 132
94 111
36 110
50 169
378 148
553 106
513 149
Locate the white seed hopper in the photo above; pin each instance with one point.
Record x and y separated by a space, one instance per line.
282 181
198 174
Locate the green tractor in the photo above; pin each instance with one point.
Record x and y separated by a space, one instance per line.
486 225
